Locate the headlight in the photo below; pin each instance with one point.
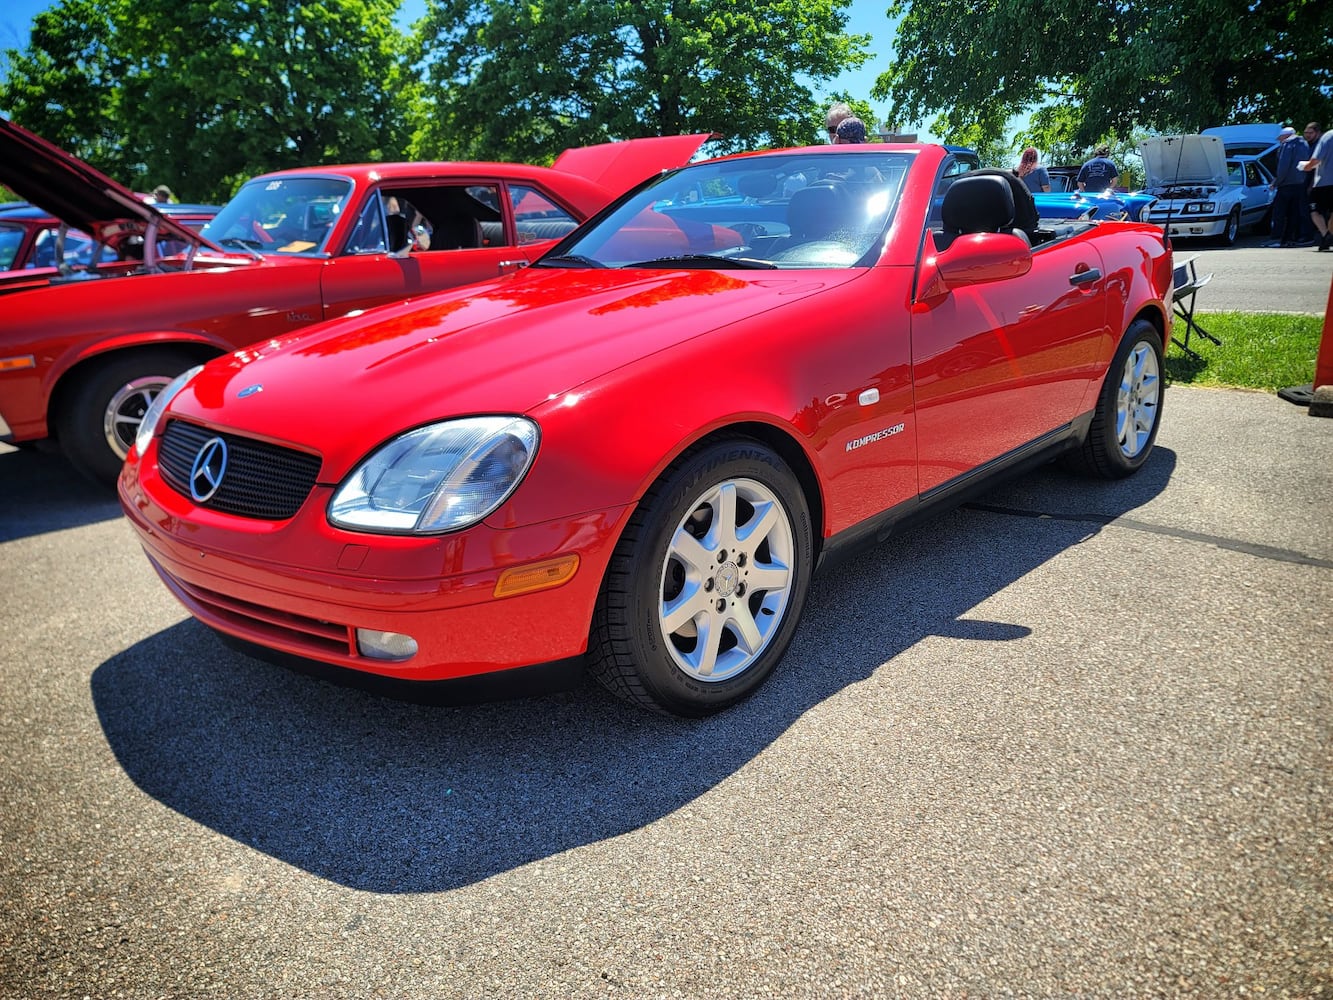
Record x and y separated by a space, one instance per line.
438 478
153 415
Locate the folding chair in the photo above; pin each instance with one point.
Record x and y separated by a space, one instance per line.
1187 283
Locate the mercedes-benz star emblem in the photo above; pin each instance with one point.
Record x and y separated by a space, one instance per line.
210 465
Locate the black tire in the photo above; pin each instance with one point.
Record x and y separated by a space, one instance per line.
1232 229
653 627
100 411
1129 407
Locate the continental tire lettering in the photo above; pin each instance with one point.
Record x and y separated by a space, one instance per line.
887 432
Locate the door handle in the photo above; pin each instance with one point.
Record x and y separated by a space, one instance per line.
1084 277
510 266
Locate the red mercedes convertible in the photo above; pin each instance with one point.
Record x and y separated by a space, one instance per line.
82 355
633 455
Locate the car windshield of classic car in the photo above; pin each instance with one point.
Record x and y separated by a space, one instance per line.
283 215
790 211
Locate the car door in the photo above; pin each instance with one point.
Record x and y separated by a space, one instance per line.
999 365
1257 196
450 223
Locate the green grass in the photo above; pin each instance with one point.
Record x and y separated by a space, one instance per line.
1267 351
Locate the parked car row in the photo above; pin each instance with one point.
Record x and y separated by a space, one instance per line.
86 345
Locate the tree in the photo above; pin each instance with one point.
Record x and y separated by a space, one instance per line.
524 79
202 95
1171 66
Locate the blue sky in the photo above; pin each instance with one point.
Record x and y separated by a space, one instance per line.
865 17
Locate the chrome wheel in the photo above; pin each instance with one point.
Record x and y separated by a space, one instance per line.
1137 400
726 580
125 410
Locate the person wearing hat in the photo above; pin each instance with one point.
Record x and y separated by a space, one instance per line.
1288 189
850 130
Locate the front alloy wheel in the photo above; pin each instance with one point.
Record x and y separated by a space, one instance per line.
705 588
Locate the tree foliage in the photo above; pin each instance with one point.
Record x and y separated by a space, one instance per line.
202 95
527 78
1170 66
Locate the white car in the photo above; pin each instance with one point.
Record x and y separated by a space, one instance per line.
1201 191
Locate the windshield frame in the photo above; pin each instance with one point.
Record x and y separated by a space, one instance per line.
735 213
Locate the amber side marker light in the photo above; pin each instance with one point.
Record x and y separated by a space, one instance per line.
14 364
536 576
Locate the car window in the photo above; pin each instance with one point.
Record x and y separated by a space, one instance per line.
11 238
537 217
441 217
823 210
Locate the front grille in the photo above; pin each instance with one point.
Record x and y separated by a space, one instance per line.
263 481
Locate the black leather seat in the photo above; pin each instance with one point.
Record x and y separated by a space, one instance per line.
817 212
978 203
456 232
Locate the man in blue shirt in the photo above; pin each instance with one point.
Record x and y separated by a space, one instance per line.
1099 173
1289 201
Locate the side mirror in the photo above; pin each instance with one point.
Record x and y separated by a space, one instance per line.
975 259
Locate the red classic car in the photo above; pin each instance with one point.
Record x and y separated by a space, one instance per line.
633 455
36 242
81 356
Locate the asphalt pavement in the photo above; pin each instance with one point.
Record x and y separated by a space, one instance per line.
1250 277
1075 739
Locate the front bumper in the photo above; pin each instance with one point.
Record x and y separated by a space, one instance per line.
303 588
1186 226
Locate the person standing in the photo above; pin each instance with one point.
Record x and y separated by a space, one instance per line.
1288 187
1032 173
1321 193
1099 173
837 114
1308 233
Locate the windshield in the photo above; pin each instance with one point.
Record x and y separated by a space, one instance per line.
288 215
788 210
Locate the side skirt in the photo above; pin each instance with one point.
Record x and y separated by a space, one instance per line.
954 493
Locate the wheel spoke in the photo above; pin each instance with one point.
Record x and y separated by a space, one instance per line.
685 608
691 551
748 633
723 533
704 658
771 576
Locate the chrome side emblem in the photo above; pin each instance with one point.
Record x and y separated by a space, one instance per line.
210 465
250 390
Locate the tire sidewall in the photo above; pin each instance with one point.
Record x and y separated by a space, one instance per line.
669 685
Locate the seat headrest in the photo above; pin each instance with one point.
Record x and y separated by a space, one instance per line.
759 185
816 211
978 203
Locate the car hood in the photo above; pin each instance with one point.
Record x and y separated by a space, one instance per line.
78 195
619 166
1184 159
504 347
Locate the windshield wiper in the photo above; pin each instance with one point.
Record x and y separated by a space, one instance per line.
706 260
236 241
569 260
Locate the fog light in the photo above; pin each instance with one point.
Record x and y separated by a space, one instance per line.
385 645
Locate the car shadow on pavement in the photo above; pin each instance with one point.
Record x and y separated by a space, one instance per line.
394 797
41 492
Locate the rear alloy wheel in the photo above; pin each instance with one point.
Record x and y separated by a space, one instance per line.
707 584
103 410
1129 407
1233 227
